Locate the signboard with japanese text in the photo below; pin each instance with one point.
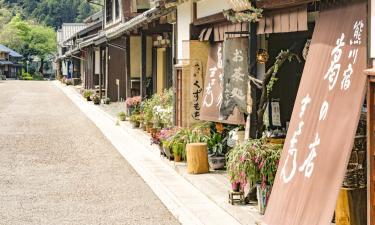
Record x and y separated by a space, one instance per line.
213 91
235 85
324 120
196 88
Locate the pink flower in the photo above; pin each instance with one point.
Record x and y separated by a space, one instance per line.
242 158
242 174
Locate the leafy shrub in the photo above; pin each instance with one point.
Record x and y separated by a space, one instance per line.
87 94
26 76
38 76
122 116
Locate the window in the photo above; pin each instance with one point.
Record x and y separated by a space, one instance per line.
109 11
117 9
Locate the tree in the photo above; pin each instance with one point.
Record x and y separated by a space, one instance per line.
53 13
29 38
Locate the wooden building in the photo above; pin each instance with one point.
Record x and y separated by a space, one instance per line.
10 62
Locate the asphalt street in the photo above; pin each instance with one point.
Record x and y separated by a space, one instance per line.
57 168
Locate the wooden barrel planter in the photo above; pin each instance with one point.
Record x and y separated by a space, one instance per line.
197 158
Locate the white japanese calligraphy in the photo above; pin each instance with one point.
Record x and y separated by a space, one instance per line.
238 76
345 83
308 165
292 152
323 111
334 69
238 56
358 29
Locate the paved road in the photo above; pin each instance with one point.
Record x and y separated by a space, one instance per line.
56 167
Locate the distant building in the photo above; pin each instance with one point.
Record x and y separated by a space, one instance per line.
10 65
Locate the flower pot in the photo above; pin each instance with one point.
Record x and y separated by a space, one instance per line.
216 162
161 148
88 99
122 118
177 158
236 186
135 124
263 195
168 153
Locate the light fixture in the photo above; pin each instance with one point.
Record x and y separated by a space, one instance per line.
262 56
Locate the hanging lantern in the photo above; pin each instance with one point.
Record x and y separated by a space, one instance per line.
239 5
262 56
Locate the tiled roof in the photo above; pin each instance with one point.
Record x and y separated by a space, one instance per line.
11 52
68 30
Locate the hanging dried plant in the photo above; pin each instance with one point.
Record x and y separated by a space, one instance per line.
250 15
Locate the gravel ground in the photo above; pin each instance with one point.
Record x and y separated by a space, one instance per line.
57 168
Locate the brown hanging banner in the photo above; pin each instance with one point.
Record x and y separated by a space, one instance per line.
236 76
213 91
324 120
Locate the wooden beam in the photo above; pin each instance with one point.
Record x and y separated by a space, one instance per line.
216 18
278 4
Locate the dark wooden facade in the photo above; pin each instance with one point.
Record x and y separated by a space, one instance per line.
116 71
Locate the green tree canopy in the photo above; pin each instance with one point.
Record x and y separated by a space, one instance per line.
29 38
53 13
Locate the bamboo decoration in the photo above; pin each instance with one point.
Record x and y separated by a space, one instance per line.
197 158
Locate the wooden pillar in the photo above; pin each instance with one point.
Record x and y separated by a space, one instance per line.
371 147
127 66
144 65
253 72
100 74
154 69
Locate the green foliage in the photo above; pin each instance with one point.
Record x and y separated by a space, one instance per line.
28 38
38 76
254 161
53 12
179 149
26 76
87 93
122 116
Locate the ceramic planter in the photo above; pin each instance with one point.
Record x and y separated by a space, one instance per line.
216 162
236 186
168 153
263 195
135 124
177 158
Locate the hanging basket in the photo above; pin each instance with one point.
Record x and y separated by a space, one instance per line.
239 5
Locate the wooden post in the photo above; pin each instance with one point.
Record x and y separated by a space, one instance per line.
144 65
127 67
253 71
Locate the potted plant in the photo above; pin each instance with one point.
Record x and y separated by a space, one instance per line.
96 99
106 100
166 139
134 120
178 152
266 161
240 167
122 116
87 95
216 145
133 104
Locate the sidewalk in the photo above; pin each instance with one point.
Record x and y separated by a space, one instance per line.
192 199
